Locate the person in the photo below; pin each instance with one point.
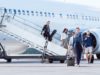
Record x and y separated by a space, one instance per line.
71 39
87 43
70 45
46 30
77 45
64 39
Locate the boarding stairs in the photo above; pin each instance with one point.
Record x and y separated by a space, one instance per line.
21 30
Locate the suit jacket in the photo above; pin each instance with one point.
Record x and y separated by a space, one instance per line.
77 41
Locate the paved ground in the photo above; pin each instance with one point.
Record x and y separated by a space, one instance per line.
23 67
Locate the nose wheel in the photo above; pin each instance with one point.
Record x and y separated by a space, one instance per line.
8 60
98 56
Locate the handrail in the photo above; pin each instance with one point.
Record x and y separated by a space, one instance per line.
27 41
26 20
5 14
38 27
33 23
28 26
3 52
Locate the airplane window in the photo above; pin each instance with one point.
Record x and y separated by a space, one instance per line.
41 14
82 17
19 12
86 18
76 16
14 11
73 16
10 11
45 14
49 14
90 18
53 14
98 19
27 12
70 16
60 15
23 12
6 10
67 15
36 13
32 12
95 19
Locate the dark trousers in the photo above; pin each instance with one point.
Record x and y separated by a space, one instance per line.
78 53
78 56
46 35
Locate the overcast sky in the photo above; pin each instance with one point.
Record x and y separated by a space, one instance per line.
93 3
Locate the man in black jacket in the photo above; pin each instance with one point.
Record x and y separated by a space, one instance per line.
46 30
77 45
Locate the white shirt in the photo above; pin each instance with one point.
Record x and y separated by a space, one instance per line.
71 40
63 36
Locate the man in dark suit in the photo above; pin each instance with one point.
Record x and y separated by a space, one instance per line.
46 30
77 45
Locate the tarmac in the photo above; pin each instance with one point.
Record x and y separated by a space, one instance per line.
35 67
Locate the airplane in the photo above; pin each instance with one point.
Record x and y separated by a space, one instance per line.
22 18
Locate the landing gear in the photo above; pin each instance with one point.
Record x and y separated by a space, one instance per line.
98 56
44 52
62 61
50 60
8 60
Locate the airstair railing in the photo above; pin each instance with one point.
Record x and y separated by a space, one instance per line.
18 37
29 43
26 22
2 15
2 51
39 27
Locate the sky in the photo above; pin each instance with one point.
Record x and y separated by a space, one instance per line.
91 3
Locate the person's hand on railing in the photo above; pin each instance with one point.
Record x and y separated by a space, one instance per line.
42 32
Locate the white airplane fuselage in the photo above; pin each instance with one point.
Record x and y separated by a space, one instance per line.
61 15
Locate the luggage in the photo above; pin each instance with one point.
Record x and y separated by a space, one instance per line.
70 57
71 61
52 34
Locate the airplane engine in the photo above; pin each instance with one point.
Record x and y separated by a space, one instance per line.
95 33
